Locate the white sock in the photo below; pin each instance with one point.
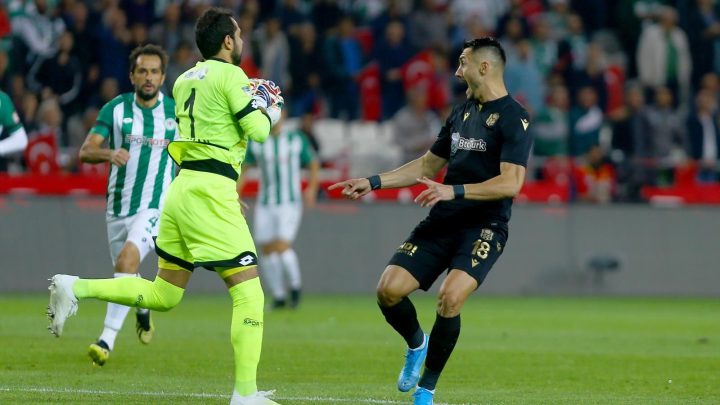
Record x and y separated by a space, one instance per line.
271 270
291 266
114 317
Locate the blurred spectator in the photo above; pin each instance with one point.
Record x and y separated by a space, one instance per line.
664 142
428 26
544 48
577 41
304 70
557 18
512 34
272 52
629 125
343 61
170 32
115 50
109 89
28 111
326 14
591 74
50 123
83 28
139 12
392 52
393 12
663 56
36 28
592 12
290 16
598 181
416 127
515 12
248 62
586 119
488 12
631 16
181 60
704 135
524 80
703 31
59 74
79 126
307 127
551 126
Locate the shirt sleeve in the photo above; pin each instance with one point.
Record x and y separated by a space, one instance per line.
9 118
517 141
104 123
441 147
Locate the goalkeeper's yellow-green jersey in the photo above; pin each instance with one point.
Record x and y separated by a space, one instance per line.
216 117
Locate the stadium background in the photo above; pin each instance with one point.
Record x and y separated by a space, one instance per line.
620 146
620 200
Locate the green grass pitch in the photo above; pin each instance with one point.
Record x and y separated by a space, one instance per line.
338 350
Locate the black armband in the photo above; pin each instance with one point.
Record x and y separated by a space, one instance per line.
459 190
375 182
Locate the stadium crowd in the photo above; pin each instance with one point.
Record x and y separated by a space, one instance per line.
623 93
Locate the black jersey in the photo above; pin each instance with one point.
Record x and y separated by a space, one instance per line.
475 139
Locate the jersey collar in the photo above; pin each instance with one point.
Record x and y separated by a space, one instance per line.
493 103
218 60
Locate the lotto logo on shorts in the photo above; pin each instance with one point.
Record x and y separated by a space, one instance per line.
247 259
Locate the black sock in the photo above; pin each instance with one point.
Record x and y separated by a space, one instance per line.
403 318
443 337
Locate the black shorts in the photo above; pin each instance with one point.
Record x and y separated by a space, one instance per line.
433 248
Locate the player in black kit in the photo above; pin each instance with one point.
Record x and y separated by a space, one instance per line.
485 144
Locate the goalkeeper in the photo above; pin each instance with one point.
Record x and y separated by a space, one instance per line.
201 224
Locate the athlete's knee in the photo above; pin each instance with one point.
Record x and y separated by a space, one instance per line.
387 295
127 261
167 295
450 303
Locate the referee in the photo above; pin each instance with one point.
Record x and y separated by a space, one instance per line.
485 145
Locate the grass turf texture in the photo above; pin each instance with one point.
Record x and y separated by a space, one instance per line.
338 350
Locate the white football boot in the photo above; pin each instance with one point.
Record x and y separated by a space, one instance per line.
63 303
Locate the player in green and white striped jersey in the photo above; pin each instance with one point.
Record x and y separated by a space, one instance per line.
279 206
138 127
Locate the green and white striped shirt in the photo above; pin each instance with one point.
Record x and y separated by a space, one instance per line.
145 133
280 160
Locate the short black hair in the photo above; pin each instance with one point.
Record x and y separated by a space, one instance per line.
486 42
148 49
211 29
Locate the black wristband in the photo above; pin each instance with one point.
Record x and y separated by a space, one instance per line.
459 190
375 182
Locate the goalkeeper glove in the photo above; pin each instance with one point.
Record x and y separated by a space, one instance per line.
268 96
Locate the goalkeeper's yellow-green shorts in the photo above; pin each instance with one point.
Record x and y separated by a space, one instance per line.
201 225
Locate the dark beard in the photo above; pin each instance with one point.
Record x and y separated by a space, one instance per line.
235 58
145 96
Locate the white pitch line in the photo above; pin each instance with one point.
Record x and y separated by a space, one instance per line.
190 394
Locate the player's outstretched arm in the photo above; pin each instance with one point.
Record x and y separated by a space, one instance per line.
92 151
408 174
506 185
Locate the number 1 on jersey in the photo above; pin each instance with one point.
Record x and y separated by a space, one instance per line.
189 104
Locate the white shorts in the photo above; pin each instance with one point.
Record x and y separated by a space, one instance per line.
276 223
138 229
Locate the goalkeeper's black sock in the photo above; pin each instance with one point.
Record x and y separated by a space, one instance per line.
403 318
443 338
